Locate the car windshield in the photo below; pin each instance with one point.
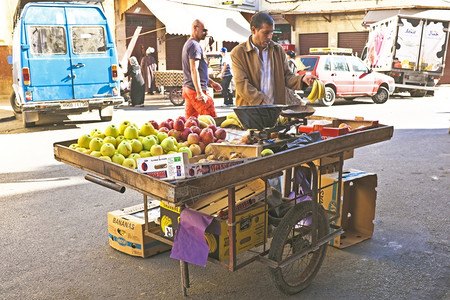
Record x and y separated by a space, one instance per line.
307 63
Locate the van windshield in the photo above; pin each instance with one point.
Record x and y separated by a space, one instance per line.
88 39
47 40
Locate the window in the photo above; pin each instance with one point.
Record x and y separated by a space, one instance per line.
327 66
339 64
47 40
88 39
307 63
357 65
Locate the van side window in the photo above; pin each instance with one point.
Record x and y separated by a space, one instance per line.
88 39
47 40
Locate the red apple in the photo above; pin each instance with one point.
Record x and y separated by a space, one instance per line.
185 133
154 123
175 133
195 120
207 136
178 124
182 118
193 138
165 124
196 129
164 129
220 134
189 123
213 127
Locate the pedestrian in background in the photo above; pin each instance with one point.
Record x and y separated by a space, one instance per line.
226 76
148 67
195 73
137 92
291 97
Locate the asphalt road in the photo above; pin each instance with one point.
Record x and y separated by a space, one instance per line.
54 242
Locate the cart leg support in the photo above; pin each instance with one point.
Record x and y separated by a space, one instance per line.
184 276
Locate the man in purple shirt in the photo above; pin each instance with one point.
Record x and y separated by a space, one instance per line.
196 79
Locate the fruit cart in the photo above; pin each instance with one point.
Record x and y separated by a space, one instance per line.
173 81
295 249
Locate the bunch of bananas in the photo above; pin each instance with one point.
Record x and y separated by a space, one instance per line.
207 119
317 91
231 120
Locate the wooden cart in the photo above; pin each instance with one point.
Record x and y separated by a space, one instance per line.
173 81
299 241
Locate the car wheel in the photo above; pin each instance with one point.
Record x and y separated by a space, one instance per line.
349 99
418 93
330 97
15 104
381 96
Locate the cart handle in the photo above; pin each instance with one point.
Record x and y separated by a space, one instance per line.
105 182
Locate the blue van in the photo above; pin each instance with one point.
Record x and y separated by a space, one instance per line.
64 61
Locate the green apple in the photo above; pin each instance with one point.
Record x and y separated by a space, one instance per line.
131 132
99 134
129 163
93 131
96 153
155 136
134 156
111 140
149 141
74 146
172 152
141 138
187 150
145 153
122 126
266 152
118 158
156 150
168 145
112 130
105 157
119 139
87 151
107 149
195 149
136 145
182 144
80 149
161 136
96 144
84 140
124 148
147 129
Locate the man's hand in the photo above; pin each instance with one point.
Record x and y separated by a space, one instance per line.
309 79
202 97
217 87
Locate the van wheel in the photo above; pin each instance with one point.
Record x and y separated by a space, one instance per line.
330 97
15 104
381 96
106 113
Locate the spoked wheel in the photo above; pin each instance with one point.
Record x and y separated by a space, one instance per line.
330 97
175 96
381 96
293 235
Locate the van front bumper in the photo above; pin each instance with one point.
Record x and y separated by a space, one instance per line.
71 105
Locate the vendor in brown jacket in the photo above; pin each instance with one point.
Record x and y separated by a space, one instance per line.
260 67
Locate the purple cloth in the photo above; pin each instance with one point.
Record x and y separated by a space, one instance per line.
190 244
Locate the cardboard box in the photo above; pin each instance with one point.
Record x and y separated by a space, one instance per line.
249 213
166 167
357 207
126 231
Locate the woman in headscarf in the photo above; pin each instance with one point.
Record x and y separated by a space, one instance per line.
148 66
137 92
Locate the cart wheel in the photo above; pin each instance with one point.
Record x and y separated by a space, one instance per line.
175 96
294 235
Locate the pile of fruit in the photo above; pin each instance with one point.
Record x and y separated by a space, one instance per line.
125 143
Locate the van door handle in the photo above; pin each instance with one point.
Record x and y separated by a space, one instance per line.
78 65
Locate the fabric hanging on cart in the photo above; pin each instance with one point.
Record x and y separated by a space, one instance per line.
190 244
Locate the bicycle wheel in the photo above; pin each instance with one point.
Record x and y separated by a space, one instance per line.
294 234
175 96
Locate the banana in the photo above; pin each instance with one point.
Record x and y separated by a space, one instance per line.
321 90
205 119
230 122
213 122
313 95
233 116
202 124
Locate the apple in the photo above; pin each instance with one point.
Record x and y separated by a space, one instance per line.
118 158
193 138
168 145
74 146
161 136
183 118
163 129
136 145
192 118
112 130
178 124
175 133
145 153
149 141
125 148
154 123
220 134
110 139
187 150
202 146
134 156
123 125
156 150
129 163
95 144
207 136
165 124
266 152
107 149
195 149
93 131
119 139
182 144
196 129
147 129
185 133
106 157
131 132
209 149
84 140
189 123
213 127
96 153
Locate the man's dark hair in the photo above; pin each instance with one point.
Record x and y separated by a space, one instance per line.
259 19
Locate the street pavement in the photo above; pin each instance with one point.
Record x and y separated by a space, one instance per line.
54 235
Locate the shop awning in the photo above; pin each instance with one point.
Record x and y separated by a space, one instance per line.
378 15
222 24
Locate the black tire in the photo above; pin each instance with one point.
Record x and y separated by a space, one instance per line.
15 104
287 240
104 118
381 96
349 99
418 93
175 96
330 97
